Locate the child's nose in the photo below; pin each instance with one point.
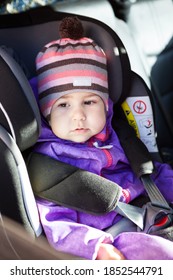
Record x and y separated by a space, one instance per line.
79 114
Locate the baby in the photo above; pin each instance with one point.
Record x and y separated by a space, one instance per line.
76 129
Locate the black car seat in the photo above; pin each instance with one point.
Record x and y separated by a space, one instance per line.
25 34
19 129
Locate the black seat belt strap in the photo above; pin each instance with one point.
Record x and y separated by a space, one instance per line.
153 192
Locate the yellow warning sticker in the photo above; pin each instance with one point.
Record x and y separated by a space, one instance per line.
130 117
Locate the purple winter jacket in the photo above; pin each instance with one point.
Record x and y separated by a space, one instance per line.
80 233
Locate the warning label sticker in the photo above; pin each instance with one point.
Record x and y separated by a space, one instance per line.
139 114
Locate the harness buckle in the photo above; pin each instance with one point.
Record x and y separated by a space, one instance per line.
156 217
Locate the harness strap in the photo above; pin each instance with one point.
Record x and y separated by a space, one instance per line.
75 188
133 213
154 193
78 189
141 162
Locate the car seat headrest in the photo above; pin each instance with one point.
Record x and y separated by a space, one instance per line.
36 27
19 113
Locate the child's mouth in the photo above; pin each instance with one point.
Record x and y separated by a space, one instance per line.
81 130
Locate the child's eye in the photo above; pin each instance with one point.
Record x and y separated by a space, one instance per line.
89 102
63 105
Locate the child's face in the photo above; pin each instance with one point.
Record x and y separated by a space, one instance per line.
78 116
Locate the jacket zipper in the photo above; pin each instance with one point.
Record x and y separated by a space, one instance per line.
108 157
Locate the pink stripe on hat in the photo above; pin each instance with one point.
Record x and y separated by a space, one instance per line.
68 53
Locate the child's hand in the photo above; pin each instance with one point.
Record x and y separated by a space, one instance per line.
109 252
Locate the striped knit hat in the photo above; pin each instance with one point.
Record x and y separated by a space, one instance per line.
71 64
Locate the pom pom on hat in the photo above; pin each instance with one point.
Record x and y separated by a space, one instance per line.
70 65
71 27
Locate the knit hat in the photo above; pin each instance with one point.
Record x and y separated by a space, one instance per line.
71 64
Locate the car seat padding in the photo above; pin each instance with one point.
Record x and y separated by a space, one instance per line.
72 187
